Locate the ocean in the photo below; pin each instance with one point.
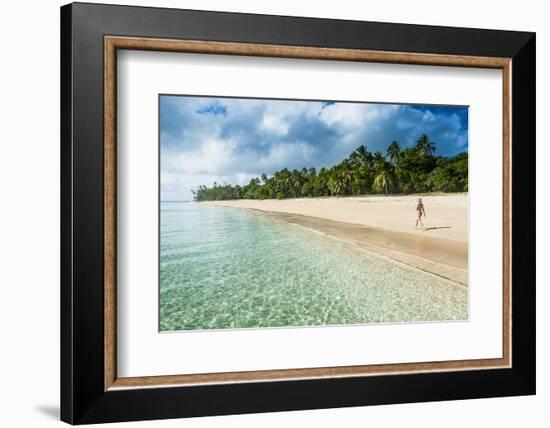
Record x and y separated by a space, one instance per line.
233 268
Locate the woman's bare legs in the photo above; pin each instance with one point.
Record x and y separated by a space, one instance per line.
419 219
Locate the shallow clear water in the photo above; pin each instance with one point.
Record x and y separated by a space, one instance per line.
229 268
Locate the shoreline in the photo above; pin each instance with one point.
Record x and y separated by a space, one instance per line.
441 254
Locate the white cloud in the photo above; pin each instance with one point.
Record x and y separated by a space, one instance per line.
274 123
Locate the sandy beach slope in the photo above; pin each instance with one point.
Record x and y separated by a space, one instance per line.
384 224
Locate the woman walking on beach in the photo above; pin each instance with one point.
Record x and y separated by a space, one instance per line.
419 212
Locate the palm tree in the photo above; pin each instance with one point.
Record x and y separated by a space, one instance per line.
282 181
345 177
321 183
379 160
394 152
384 180
297 180
425 146
333 185
340 179
361 155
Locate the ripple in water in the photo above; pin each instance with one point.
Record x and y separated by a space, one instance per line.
228 268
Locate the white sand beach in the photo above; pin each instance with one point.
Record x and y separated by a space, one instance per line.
384 224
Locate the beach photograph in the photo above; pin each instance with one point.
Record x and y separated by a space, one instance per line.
300 213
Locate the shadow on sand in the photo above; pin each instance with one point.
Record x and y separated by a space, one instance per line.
436 227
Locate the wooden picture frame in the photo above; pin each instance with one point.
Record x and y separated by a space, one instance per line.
91 390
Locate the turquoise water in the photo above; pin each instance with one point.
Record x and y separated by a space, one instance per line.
229 268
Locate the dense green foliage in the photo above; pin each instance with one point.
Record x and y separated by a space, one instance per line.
409 170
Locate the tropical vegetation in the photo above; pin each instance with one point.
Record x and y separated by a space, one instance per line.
414 169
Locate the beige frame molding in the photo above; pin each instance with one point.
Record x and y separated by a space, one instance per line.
113 43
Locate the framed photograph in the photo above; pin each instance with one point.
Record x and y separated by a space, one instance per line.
266 213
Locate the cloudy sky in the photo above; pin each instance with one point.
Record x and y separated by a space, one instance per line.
228 140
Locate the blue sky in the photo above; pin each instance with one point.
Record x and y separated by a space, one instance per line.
230 140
